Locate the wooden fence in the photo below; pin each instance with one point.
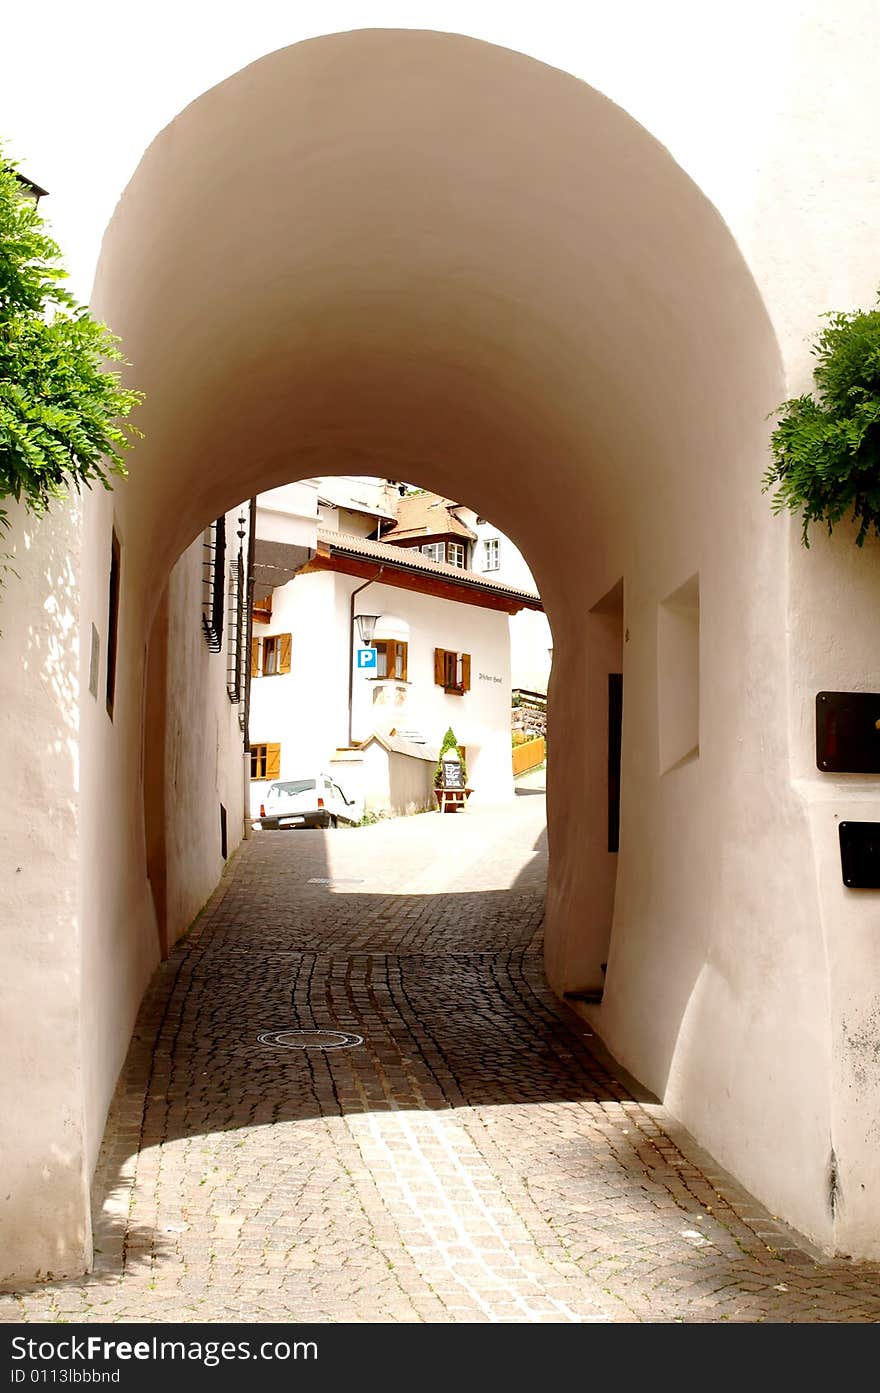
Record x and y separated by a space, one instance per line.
529 755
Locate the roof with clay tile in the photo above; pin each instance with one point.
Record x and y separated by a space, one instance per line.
428 515
409 559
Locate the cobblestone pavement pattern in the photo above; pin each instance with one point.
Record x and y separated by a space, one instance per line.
472 1160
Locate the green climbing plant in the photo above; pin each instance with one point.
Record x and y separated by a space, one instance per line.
826 447
62 410
449 743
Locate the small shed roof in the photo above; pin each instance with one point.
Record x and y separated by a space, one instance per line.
396 744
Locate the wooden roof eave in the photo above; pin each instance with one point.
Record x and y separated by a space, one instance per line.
365 568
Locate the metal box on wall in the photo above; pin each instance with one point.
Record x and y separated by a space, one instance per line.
848 732
860 855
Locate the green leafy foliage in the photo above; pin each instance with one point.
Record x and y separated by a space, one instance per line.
449 743
826 448
61 411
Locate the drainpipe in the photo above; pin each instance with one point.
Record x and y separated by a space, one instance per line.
249 630
376 577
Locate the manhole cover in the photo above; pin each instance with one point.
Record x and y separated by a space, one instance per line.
310 1039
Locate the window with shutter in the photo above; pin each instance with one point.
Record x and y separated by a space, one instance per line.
273 656
273 761
265 762
391 658
452 671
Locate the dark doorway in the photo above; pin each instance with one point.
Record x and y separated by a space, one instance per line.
615 727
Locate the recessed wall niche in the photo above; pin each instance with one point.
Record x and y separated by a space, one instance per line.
678 675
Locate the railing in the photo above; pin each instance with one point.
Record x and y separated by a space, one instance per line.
214 583
235 631
521 696
529 755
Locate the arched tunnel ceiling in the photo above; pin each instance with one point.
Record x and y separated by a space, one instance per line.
418 255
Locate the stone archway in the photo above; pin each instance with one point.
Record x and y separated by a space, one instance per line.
421 254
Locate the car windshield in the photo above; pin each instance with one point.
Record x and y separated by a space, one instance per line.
293 786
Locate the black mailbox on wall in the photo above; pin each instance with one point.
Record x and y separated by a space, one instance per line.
860 855
848 732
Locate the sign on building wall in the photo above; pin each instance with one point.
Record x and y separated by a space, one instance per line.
366 658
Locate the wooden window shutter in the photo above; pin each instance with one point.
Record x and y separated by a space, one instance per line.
465 672
404 648
255 657
273 761
284 664
439 667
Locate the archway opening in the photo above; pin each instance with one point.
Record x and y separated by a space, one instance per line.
419 255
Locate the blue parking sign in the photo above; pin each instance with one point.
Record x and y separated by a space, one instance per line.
366 657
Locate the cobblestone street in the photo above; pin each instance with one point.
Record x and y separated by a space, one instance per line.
471 1160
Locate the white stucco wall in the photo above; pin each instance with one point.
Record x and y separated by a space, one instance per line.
289 513
201 747
411 783
740 971
531 638
204 751
305 710
120 948
374 778
44 1195
396 783
824 657
356 504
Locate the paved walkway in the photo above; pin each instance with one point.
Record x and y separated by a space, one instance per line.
470 1161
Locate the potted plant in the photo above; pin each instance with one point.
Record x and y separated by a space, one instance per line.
450 775
826 448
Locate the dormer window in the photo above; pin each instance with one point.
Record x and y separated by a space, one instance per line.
455 554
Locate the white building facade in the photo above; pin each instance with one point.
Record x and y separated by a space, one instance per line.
440 656
445 530
531 638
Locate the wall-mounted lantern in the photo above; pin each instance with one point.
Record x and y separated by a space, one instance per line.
367 626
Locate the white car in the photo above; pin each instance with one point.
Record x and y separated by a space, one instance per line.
317 802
